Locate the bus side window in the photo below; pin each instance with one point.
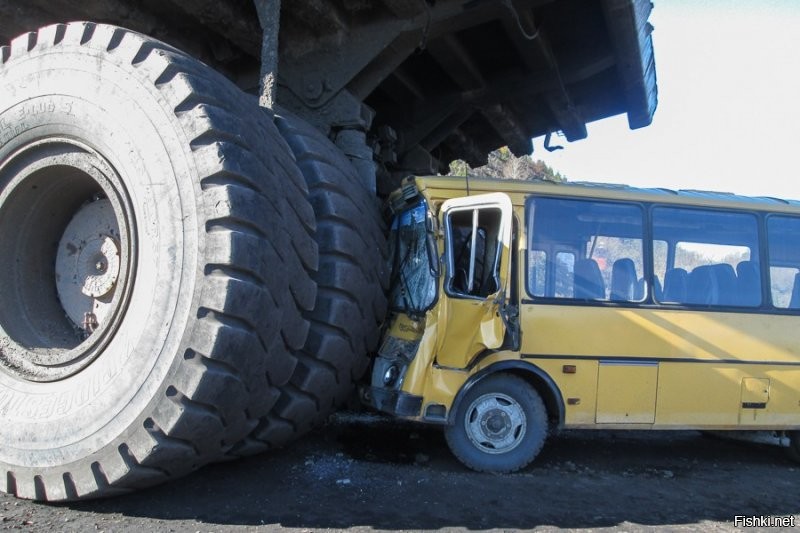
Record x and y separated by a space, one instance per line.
624 281
605 239
794 302
748 283
564 276
537 271
712 259
588 281
784 261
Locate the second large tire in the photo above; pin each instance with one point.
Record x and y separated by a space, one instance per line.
352 280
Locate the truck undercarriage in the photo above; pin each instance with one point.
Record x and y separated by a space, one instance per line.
408 84
190 201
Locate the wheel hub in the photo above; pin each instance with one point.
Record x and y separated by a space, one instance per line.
495 423
88 265
98 265
68 280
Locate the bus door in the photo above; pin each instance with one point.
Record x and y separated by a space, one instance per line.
472 315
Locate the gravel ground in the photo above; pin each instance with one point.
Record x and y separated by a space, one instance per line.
366 473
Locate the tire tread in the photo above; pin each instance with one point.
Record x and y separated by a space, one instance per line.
219 390
351 299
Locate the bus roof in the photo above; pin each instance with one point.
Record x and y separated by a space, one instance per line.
444 187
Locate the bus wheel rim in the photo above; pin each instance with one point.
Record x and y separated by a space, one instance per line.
495 423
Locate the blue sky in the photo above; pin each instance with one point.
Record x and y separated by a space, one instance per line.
729 105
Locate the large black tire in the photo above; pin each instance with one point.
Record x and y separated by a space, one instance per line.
213 276
352 281
500 425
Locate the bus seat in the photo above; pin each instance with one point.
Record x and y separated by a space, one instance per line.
794 303
589 283
658 290
675 284
701 286
623 280
726 285
749 283
638 291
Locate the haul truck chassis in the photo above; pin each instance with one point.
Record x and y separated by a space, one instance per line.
190 204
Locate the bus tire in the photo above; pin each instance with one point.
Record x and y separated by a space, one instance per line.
500 425
155 177
352 281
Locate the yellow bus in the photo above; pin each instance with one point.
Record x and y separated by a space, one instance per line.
522 307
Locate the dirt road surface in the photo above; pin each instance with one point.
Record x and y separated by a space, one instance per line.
364 473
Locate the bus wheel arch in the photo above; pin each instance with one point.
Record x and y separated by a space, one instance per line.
500 427
537 378
500 419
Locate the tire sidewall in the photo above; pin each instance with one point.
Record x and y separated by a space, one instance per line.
88 95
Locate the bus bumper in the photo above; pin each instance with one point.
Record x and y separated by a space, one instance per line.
393 402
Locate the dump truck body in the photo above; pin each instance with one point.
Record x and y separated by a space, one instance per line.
191 194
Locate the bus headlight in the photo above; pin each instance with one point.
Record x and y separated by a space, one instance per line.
390 376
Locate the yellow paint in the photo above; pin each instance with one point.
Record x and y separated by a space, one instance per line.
582 385
418 372
443 385
691 395
616 332
440 188
626 394
406 328
755 390
470 326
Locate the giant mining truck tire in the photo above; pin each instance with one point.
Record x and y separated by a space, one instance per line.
157 245
352 281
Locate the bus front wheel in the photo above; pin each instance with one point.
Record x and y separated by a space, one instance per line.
500 425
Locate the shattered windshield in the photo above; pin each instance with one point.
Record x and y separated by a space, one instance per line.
413 288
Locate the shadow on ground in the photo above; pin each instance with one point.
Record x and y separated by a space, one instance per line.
374 473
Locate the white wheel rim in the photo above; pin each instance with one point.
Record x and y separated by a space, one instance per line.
495 423
88 264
